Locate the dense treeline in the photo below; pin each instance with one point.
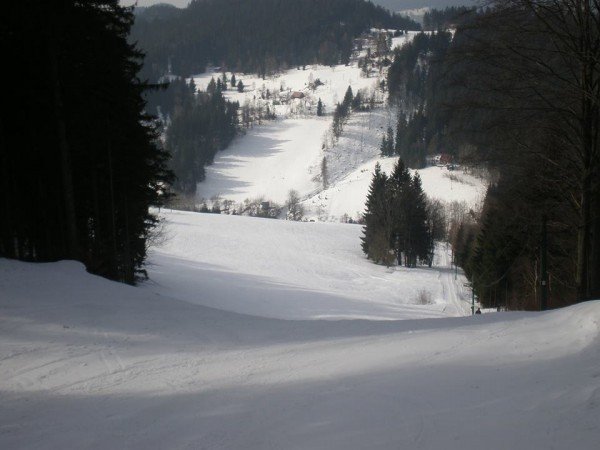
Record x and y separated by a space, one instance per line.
201 124
414 80
526 88
521 95
447 18
80 164
400 223
259 36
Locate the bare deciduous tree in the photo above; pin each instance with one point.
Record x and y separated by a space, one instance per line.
295 209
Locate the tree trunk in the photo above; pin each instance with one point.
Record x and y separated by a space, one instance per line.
65 157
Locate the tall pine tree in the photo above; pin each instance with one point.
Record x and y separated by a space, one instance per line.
97 162
378 220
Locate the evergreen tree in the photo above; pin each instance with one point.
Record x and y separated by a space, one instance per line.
378 220
240 86
192 86
387 143
383 146
212 86
389 151
347 102
233 81
319 108
338 121
399 197
418 223
99 166
400 133
357 102
341 113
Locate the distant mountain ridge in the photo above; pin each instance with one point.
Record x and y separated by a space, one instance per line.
260 36
161 11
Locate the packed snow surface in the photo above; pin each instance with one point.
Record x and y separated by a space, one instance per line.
268 162
267 334
89 363
295 270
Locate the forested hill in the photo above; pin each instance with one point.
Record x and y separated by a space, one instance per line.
257 36
160 11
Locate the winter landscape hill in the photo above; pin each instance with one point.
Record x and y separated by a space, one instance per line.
246 332
91 363
289 152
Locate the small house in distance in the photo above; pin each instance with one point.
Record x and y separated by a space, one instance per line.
442 160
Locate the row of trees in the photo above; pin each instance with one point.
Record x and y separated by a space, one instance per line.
80 164
517 89
342 112
545 112
399 222
201 124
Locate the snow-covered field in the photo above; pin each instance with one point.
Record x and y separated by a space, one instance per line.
267 162
284 154
89 363
294 270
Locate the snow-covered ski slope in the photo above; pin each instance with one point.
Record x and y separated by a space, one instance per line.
90 364
268 334
287 153
295 270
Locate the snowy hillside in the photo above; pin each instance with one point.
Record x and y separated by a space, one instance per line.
351 162
293 270
89 363
288 153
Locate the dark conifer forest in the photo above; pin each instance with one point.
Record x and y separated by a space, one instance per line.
515 90
414 80
80 164
201 124
259 36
